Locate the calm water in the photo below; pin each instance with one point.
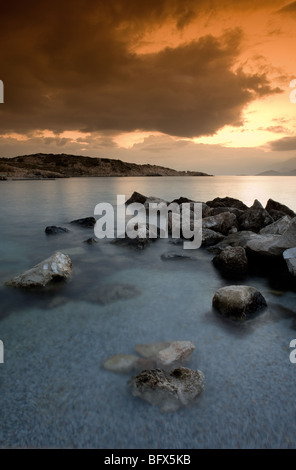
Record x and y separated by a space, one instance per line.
53 389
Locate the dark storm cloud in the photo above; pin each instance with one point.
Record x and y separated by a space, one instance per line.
284 144
67 65
289 8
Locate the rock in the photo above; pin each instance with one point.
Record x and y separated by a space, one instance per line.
174 256
150 350
121 363
154 200
235 239
227 202
176 354
136 197
255 218
53 230
147 233
209 237
221 223
232 260
290 258
110 293
91 241
58 266
273 245
87 222
278 227
278 207
219 210
168 391
238 302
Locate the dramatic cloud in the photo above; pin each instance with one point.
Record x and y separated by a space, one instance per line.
69 67
284 144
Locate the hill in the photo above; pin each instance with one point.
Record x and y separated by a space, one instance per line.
277 173
40 166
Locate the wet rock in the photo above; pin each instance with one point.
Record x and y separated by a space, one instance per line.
221 223
232 261
278 227
255 218
168 391
227 202
290 258
56 267
273 245
238 302
110 293
54 230
155 200
274 208
210 237
91 241
121 363
87 222
150 350
176 354
235 239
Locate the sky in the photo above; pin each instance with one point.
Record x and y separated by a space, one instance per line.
198 85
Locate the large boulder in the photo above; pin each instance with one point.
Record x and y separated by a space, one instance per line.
56 267
273 245
255 218
221 223
290 258
218 210
278 210
238 302
278 227
168 391
227 202
232 261
136 197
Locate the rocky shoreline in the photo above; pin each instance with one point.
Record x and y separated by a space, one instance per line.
242 240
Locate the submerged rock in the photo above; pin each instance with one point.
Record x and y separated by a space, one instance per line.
150 350
54 230
232 261
176 354
173 255
109 293
238 302
87 222
121 363
290 258
168 391
146 233
91 241
58 266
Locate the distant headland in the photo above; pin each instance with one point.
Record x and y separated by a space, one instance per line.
49 166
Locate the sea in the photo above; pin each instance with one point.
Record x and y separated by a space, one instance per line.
54 389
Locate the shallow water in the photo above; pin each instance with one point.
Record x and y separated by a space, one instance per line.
54 391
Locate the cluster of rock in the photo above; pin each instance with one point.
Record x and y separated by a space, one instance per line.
163 380
238 235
